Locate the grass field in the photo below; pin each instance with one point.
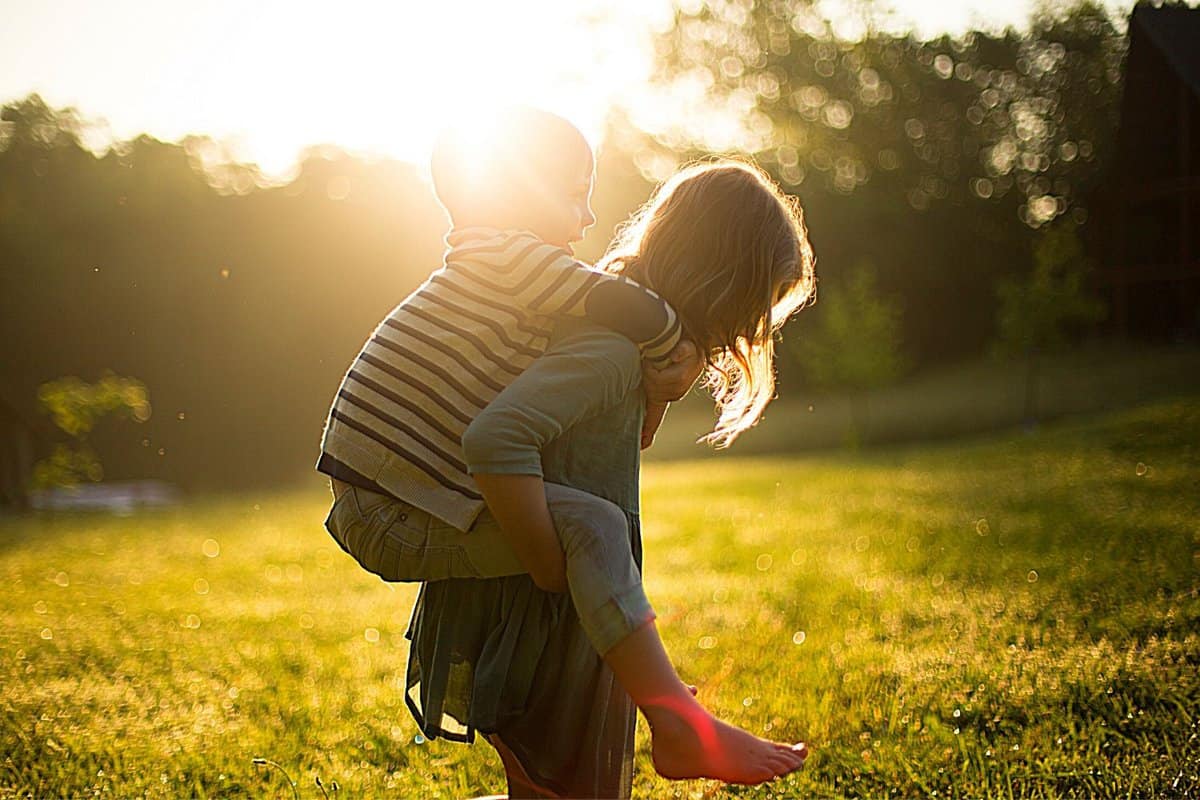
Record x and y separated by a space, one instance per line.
977 396
1016 616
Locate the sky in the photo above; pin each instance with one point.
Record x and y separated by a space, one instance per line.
269 78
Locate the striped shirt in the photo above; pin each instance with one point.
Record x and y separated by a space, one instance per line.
443 354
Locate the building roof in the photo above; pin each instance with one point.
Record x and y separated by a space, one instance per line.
1175 32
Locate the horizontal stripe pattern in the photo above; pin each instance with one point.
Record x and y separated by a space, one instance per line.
445 352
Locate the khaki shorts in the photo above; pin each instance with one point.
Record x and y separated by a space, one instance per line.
399 542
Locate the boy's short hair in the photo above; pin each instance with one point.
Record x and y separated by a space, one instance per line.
497 168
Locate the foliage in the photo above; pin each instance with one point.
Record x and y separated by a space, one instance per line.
31 123
75 407
951 119
936 159
856 342
970 398
1016 617
66 466
1034 310
240 303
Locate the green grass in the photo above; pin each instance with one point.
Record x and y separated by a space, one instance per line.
1017 616
969 398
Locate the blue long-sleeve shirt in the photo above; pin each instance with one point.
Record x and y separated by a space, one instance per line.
586 371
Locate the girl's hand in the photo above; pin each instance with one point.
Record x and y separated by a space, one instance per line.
664 386
673 382
518 502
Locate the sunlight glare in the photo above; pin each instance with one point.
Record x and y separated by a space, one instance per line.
270 80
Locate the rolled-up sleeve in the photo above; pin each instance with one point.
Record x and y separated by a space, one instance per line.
580 376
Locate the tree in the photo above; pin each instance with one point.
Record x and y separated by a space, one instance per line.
76 407
971 118
239 303
937 160
856 343
1036 309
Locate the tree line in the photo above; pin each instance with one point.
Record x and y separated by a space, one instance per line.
929 166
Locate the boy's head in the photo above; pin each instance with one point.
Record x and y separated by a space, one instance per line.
518 167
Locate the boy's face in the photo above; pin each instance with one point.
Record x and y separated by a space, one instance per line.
568 212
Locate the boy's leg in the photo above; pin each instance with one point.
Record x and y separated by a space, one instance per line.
605 583
399 542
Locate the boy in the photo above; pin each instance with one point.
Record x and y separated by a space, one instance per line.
517 202
405 506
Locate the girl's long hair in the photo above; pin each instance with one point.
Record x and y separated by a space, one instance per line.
729 251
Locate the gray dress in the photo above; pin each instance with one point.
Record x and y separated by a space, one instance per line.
501 656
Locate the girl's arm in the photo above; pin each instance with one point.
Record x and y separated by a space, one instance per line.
579 377
518 502
666 385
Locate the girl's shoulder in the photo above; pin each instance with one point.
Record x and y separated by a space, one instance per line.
592 341
611 353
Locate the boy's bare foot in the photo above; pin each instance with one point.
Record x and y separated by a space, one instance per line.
689 742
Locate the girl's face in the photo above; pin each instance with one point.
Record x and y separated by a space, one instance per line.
568 212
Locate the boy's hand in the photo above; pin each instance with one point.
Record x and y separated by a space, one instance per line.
676 380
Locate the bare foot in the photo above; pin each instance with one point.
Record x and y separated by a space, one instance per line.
689 742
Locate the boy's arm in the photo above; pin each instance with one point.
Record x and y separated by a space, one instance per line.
636 313
544 279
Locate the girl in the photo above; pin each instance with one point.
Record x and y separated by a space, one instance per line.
729 252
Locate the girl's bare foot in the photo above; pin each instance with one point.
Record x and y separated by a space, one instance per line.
689 742
686 740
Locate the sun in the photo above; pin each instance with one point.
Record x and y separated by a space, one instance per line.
385 82
271 78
